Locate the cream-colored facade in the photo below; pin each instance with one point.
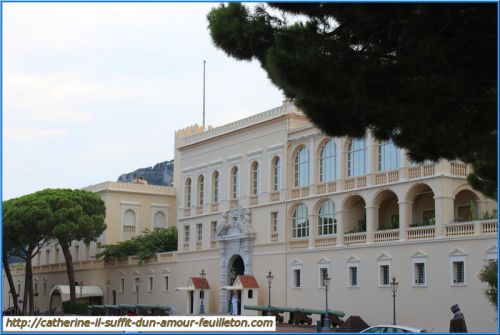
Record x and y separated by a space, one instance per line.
272 193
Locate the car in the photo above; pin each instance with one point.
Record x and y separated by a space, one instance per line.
392 329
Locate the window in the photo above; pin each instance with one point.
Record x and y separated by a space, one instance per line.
300 225
356 157
458 271
159 220
57 255
296 278
135 284
302 167
274 222
353 275
388 156
77 253
419 273
276 173
327 162
186 234
201 185
151 283
199 232
384 271
47 256
254 178
129 218
250 294
235 181
44 289
213 229
188 193
122 284
326 219
215 186
165 283
323 273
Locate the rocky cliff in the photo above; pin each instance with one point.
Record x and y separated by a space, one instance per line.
160 174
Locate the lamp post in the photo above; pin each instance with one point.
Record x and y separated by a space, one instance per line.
137 281
269 282
394 288
81 289
202 292
326 283
35 294
108 285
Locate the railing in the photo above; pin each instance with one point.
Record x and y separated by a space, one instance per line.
187 212
421 233
459 229
199 210
458 169
165 256
326 240
274 236
198 245
361 181
356 182
254 199
428 170
386 177
355 238
213 244
214 207
419 171
326 187
299 244
233 203
489 227
185 246
275 196
299 192
129 229
386 235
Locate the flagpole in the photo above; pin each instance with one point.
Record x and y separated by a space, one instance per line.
204 61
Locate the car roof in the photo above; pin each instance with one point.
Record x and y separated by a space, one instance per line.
399 326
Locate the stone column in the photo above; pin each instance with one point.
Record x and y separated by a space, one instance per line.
405 217
313 230
343 217
371 222
444 209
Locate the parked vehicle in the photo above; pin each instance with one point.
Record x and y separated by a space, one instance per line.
392 329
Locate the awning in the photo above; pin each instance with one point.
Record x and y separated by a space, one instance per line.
186 288
87 291
231 288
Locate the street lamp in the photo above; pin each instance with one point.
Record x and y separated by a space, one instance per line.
326 283
81 289
269 282
137 281
202 292
394 288
108 285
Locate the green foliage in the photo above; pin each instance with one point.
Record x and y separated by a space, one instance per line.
423 75
77 307
489 275
144 246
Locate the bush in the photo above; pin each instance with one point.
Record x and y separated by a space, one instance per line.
489 275
78 307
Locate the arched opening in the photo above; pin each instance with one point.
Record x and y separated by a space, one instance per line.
55 305
236 268
356 215
388 210
466 206
423 206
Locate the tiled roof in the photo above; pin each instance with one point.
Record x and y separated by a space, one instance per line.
248 281
197 283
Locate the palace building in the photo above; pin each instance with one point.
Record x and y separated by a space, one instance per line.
272 193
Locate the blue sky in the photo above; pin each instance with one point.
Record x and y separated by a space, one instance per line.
93 90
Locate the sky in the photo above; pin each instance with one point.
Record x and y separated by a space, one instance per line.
94 90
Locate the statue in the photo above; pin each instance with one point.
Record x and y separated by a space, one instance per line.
457 324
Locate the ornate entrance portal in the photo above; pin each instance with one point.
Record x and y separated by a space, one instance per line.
236 237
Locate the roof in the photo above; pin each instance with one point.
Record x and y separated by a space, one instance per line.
87 291
197 283
248 281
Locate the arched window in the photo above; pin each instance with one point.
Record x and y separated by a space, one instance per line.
215 186
276 165
356 157
201 193
188 192
254 178
235 181
327 162
159 220
388 156
300 225
302 168
327 224
129 218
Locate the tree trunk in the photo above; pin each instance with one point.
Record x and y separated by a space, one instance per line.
29 283
70 272
8 274
25 295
